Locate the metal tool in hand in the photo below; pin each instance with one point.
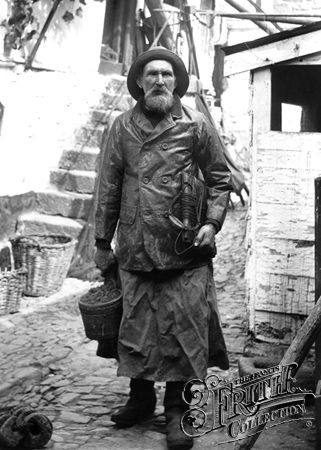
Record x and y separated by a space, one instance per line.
186 210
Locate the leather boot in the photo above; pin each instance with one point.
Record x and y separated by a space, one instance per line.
140 405
174 409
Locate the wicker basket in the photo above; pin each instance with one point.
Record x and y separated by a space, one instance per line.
11 285
46 260
101 311
11 288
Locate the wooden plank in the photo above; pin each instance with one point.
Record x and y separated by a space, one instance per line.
284 221
296 353
285 257
287 140
311 60
284 294
317 372
306 159
285 194
261 80
280 326
261 86
285 186
272 53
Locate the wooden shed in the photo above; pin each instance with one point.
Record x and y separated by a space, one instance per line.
285 147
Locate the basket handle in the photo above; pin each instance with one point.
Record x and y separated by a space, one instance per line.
19 238
12 264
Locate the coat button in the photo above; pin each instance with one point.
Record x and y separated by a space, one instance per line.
165 146
165 180
146 180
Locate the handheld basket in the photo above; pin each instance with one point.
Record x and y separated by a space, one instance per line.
11 288
101 311
46 260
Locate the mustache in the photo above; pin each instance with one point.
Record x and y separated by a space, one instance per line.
159 90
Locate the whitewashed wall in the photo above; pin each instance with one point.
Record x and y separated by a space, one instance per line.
73 46
43 110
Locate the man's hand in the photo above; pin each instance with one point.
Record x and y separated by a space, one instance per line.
104 259
205 238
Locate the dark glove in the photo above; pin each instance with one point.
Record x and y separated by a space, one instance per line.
104 259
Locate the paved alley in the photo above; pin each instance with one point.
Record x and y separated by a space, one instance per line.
47 363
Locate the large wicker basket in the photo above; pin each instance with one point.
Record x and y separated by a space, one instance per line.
46 260
11 288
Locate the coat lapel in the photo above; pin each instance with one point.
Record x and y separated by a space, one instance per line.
144 130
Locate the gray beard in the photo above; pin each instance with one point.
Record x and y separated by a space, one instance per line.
158 104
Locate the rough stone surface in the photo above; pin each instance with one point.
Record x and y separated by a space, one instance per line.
39 224
81 181
90 136
66 204
110 100
83 159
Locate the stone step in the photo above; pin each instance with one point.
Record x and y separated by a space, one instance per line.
82 181
66 204
104 116
116 83
90 135
121 101
86 158
37 223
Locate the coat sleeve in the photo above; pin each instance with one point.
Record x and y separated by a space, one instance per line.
217 176
109 189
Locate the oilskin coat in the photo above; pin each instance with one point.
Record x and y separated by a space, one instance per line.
170 328
140 177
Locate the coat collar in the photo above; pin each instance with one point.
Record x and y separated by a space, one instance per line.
141 122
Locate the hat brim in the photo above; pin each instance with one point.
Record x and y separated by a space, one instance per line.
159 53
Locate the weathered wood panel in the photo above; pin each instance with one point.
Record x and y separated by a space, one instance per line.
306 161
304 141
285 257
281 327
286 294
260 123
280 265
310 59
285 186
261 110
284 221
266 55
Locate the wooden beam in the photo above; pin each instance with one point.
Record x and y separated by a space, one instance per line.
159 18
268 18
271 53
118 28
42 34
265 27
259 9
317 370
108 23
129 36
296 353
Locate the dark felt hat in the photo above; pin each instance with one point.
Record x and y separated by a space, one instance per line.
150 55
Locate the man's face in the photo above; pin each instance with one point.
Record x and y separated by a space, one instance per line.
158 83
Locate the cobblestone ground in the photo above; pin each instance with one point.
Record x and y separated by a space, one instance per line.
48 363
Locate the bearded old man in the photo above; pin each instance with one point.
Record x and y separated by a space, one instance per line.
170 330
